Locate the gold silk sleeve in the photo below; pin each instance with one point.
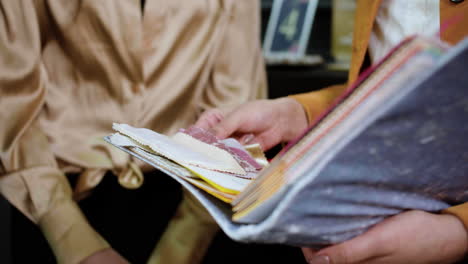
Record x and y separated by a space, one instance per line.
460 211
316 102
30 178
238 73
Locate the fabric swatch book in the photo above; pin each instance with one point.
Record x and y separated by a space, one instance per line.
396 140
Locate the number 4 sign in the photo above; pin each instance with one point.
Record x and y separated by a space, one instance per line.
289 29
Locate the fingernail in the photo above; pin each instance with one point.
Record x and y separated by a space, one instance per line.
247 139
322 259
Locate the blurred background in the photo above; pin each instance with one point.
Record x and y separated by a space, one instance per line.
330 37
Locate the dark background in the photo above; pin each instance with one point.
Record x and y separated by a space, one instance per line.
22 242
284 80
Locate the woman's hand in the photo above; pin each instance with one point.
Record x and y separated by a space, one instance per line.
267 122
414 237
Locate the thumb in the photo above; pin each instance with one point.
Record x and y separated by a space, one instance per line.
209 119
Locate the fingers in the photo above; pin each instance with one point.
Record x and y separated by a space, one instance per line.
309 253
209 119
406 238
360 249
233 123
268 139
250 118
347 253
224 125
247 139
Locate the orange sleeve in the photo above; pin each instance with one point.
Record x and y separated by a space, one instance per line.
460 211
316 102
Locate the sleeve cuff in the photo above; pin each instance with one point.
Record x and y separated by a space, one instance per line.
70 236
314 103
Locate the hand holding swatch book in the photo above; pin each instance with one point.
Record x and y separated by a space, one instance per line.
397 140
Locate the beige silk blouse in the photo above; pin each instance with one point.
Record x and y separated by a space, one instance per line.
69 69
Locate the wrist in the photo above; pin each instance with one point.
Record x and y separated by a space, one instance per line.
295 118
70 236
460 213
457 230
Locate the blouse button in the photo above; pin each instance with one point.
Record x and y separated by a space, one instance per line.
456 1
